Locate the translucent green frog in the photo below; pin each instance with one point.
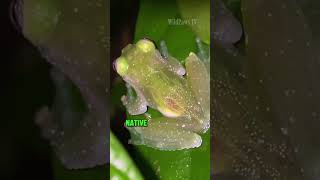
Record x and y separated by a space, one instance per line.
181 95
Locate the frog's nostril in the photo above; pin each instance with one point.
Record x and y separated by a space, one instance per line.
145 45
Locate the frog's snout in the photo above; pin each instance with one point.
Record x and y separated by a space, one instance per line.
121 65
146 45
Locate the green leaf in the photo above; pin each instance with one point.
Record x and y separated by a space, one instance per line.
121 164
72 36
180 41
153 19
155 22
197 16
116 173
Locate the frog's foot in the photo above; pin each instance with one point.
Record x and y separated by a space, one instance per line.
165 134
134 102
173 63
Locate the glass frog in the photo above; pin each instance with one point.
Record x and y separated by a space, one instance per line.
181 94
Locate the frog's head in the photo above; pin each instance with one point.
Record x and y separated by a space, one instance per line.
145 46
133 53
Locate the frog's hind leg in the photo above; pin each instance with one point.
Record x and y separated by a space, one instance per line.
173 63
134 102
198 79
165 134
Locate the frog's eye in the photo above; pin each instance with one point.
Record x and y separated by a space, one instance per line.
121 66
145 45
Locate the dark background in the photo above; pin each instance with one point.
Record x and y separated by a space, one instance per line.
26 86
123 19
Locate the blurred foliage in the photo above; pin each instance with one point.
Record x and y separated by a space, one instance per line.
121 165
273 84
72 36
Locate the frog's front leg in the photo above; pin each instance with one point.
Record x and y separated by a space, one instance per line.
166 134
135 103
173 63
